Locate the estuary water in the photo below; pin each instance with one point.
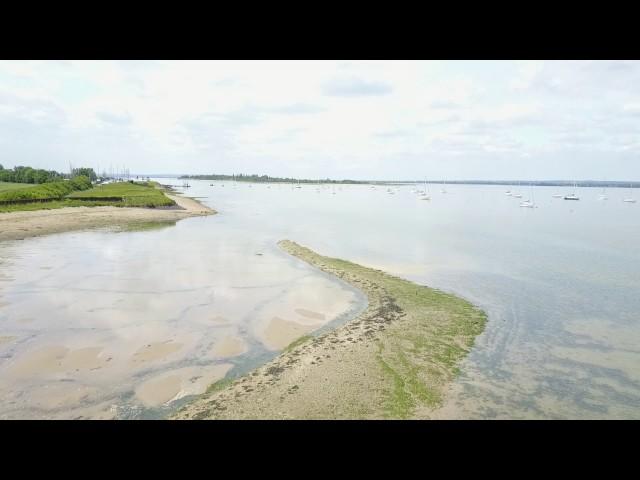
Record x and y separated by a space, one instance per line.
104 324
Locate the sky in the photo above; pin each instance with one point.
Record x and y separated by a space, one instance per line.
391 120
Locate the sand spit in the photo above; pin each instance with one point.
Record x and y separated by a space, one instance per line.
21 225
394 360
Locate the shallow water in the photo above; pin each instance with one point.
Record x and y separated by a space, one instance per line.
104 324
560 284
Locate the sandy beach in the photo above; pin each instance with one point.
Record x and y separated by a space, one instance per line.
21 225
394 360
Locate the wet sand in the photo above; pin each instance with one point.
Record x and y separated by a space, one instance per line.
54 359
280 332
21 225
155 351
174 384
395 360
229 347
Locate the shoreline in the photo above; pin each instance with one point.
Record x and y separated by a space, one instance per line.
27 224
394 360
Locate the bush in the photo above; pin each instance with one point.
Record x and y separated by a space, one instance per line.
46 190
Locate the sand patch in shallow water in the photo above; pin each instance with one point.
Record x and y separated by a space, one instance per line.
44 360
84 359
280 332
6 339
63 395
229 347
52 359
310 314
220 320
175 384
155 351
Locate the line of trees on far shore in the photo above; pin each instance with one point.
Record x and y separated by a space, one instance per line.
265 178
21 174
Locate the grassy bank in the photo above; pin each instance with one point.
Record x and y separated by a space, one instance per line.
70 194
394 360
139 194
6 186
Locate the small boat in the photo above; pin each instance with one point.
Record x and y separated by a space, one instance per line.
508 193
630 199
529 203
603 195
516 194
572 196
425 194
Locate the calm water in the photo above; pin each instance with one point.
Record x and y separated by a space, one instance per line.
560 282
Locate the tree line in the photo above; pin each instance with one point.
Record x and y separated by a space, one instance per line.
21 174
264 178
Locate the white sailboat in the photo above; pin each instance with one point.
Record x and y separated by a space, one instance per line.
630 199
529 203
425 194
516 194
572 196
443 190
603 195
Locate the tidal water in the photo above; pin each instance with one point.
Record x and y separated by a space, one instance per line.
176 307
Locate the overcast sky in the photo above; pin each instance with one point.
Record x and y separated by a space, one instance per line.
342 119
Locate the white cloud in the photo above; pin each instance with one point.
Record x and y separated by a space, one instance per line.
322 118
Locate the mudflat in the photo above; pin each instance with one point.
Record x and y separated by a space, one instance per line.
395 360
21 225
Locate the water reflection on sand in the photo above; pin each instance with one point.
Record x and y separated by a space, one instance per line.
107 324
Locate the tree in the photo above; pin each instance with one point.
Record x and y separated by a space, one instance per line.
87 172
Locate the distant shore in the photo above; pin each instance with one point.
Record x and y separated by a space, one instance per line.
21 225
321 181
394 360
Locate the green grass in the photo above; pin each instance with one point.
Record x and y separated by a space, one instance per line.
6 186
139 194
29 207
219 385
53 190
121 194
298 342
